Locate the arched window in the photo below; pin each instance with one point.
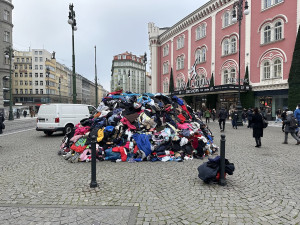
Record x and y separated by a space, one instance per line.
198 56
166 50
278 30
277 68
180 83
232 76
226 19
267 34
180 42
233 45
226 47
166 86
165 67
203 30
267 70
198 33
180 63
225 81
203 54
268 3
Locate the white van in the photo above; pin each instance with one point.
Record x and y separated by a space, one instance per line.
62 117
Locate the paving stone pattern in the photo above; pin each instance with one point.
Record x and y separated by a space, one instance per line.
39 187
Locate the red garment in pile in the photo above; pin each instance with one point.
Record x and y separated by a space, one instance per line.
122 152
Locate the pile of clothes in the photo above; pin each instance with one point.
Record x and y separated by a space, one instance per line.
130 127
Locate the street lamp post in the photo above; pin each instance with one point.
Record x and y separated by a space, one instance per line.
238 16
9 55
129 79
96 82
72 22
145 62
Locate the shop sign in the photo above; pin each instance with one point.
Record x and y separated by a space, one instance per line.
220 88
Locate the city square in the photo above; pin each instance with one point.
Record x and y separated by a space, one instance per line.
43 188
111 112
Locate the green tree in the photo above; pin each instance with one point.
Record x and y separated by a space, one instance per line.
171 84
211 100
294 76
118 88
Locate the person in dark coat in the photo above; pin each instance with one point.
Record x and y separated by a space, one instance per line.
249 117
257 125
283 117
222 118
288 129
1 122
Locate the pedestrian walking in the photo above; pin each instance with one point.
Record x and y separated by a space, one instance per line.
283 117
291 124
249 117
213 113
244 115
207 115
200 114
257 125
222 118
2 126
234 118
278 116
24 113
297 114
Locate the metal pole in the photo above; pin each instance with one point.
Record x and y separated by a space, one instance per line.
96 83
222 180
93 183
11 115
239 106
73 62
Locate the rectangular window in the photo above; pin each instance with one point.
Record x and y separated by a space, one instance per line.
16 67
30 83
16 82
36 59
36 52
36 83
21 91
6 15
26 82
26 91
36 91
41 91
17 91
30 74
21 74
30 91
25 67
21 82
36 75
40 52
41 67
36 67
27 60
16 74
6 36
26 75
41 59
41 83
41 74
22 60
30 67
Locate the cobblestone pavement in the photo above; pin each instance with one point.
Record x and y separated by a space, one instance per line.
39 187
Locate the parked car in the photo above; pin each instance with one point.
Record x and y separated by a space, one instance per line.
62 117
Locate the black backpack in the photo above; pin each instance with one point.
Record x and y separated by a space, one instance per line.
293 123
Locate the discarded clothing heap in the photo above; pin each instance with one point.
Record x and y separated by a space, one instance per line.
210 171
132 127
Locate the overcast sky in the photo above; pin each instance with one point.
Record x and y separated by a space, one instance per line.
114 26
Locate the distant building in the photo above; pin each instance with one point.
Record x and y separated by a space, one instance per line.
6 28
209 39
128 73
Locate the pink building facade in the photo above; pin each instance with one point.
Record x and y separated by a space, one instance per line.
208 40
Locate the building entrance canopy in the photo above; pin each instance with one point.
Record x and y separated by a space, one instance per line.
212 90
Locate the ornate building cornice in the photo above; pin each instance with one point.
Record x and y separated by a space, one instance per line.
198 15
